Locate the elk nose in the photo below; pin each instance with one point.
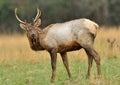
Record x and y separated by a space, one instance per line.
32 35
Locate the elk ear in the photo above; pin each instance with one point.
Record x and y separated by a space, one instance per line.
37 23
23 26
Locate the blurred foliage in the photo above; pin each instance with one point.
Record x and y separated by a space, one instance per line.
104 12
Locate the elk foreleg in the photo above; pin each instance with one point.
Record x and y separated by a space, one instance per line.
53 55
65 62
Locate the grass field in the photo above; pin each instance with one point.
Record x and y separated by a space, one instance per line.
19 65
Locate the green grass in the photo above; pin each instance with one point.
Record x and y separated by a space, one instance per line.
40 73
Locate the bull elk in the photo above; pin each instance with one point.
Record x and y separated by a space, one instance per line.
62 38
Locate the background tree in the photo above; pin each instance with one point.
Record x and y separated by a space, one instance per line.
104 12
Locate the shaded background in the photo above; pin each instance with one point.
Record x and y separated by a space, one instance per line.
104 12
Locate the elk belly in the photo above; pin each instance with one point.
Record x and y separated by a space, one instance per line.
69 47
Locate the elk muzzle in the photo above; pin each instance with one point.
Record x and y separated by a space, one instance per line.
33 35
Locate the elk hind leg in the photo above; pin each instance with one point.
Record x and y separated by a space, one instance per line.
90 60
96 57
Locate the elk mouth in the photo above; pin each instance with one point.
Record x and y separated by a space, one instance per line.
34 41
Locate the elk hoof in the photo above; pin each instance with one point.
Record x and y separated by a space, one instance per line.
87 76
52 80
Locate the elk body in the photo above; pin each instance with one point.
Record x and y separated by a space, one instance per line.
62 38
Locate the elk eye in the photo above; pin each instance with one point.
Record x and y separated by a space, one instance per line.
27 29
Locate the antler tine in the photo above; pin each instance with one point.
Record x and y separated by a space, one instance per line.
18 17
38 15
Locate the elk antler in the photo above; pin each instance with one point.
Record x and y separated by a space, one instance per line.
38 15
18 17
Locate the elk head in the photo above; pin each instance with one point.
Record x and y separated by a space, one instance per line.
30 28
